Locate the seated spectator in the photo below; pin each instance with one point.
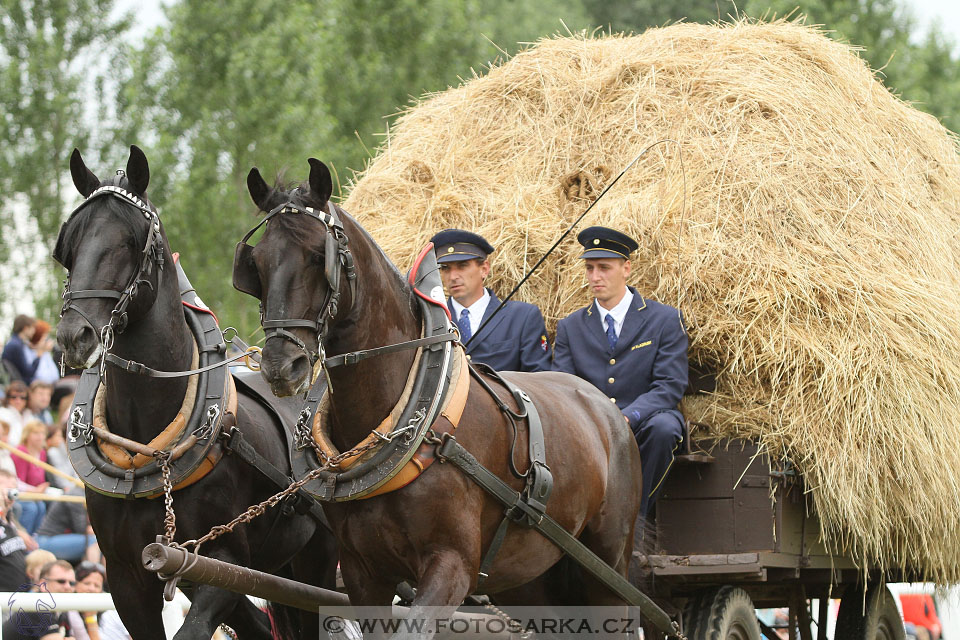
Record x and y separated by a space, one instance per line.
42 344
18 353
66 531
55 577
58 457
32 476
36 560
13 409
38 402
6 460
9 481
13 549
106 625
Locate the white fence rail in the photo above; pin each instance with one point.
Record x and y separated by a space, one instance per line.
13 602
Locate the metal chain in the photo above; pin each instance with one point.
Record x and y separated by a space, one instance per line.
169 518
228 631
500 613
259 509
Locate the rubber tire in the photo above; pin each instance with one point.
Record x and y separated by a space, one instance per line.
880 621
725 613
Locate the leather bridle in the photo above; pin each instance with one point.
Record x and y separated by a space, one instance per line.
338 260
147 273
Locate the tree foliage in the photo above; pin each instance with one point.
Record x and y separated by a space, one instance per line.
231 84
45 88
238 83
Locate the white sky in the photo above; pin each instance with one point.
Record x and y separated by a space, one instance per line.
945 13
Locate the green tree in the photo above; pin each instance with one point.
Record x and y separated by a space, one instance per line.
47 50
629 16
237 83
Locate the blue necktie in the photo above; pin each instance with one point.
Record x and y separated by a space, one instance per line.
611 332
464 324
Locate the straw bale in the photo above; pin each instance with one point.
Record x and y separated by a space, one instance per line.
810 236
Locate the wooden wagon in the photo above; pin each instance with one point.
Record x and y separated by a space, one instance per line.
735 531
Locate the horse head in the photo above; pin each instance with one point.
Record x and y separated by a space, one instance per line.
112 246
299 270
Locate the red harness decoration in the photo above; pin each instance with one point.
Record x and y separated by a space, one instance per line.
412 275
176 259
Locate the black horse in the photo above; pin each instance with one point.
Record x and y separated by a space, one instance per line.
114 247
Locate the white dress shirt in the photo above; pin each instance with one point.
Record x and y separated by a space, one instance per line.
477 309
619 312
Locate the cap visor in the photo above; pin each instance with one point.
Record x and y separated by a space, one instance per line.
457 257
602 253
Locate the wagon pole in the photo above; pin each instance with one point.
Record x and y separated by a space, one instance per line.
40 463
562 238
164 559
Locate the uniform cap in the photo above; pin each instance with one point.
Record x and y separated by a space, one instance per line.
603 242
457 245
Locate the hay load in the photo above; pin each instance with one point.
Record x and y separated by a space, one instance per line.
814 249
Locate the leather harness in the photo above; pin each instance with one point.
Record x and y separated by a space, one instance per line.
435 393
114 466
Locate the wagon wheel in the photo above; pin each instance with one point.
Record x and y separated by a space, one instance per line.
724 613
879 621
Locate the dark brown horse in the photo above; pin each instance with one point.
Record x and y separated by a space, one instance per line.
435 531
102 246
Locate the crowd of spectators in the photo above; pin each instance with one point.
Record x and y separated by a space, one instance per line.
46 544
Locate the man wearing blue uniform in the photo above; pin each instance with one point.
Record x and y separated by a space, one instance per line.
516 338
632 349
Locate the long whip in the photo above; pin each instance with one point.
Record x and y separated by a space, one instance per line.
562 237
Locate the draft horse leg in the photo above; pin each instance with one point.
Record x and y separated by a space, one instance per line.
444 583
142 603
210 606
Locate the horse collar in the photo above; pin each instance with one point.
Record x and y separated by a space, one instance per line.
195 447
436 390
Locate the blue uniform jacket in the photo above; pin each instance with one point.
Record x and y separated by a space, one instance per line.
515 340
646 372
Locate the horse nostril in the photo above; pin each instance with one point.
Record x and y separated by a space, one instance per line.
296 369
83 337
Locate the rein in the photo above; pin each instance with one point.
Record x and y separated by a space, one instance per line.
138 368
356 356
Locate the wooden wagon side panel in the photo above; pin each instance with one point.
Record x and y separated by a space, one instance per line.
724 507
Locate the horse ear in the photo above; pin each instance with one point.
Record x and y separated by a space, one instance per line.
258 188
321 184
138 171
83 178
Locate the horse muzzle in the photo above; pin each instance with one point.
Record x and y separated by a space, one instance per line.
79 342
288 374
